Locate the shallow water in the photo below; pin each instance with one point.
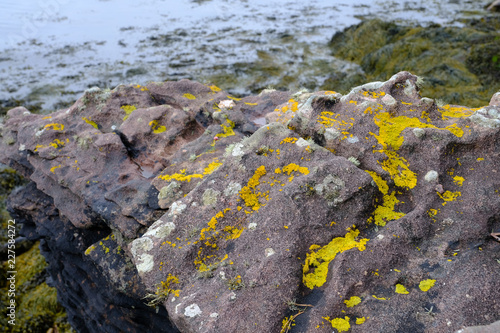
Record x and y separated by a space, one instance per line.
53 50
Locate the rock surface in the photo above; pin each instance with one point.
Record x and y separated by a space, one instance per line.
371 211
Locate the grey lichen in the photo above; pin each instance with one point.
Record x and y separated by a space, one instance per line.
330 189
354 160
232 189
210 197
431 176
169 191
487 117
419 132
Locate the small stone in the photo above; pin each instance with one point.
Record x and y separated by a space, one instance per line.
439 188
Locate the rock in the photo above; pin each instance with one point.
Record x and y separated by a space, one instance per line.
327 216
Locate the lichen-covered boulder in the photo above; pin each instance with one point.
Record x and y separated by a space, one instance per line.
371 211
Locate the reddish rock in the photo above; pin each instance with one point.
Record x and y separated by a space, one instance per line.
371 211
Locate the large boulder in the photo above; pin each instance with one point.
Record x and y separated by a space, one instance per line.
176 207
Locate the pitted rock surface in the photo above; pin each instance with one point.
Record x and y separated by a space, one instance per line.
371 211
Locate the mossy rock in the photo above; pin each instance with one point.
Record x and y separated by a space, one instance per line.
37 307
459 65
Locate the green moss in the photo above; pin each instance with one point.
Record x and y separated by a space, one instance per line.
37 307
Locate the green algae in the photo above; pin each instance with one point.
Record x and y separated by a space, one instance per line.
37 308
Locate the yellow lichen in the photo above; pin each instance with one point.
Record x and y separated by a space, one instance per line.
293 167
380 298
449 196
156 127
227 129
288 140
400 289
248 193
373 94
90 122
341 325
214 88
360 321
128 110
425 285
53 169
189 96
182 177
353 301
164 288
385 212
390 130
458 180
55 126
448 112
320 257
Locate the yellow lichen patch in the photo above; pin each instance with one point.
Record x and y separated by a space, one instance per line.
156 127
425 285
227 129
128 110
182 177
399 170
449 196
164 288
288 140
55 126
432 213
189 96
400 289
373 94
458 180
140 87
360 321
479 159
457 131
330 92
287 323
90 122
385 212
293 167
232 232
448 112
320 257
251 104
353 301
214 88
380 298
248 193
53 169
90 249
327 119
233 98
390 129
56 143
212 167
341 325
